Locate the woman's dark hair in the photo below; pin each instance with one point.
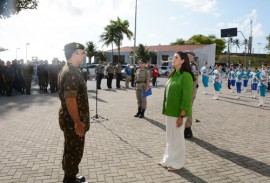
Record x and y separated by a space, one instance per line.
185 66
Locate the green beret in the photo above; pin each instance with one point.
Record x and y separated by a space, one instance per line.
73 46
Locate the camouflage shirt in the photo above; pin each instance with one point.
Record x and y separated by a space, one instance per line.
72 84
110 69
118 69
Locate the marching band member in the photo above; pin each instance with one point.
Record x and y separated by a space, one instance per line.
205 70
263 77
254 75
239 77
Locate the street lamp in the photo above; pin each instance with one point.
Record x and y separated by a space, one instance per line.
135 32
26 51
17 52
259 51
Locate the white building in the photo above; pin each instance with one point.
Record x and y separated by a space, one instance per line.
203 52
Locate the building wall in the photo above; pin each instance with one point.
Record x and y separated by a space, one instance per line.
205 53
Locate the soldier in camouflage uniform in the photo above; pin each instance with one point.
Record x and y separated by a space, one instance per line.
118 74
53 73
142 80
28 75
2 84
74 111
109 74
8 77
99 74
188 132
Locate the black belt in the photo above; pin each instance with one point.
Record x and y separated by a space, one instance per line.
141 82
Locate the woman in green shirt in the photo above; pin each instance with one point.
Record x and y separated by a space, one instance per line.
177 106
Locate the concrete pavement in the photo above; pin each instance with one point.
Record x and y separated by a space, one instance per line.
230 144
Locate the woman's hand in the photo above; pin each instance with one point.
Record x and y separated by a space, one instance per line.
179 122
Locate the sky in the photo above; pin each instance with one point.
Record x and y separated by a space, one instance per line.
57 22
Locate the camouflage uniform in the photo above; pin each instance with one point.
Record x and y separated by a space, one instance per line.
28 74
118 73
99 75
71 84
109 71
53 73
8 77
2 84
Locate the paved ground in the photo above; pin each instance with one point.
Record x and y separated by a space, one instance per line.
230 144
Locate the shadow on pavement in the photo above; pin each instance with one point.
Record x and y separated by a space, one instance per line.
20 102
235 101
156 123
186 174
243 161
126 142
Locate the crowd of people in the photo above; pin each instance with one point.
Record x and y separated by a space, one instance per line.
238 79
17 76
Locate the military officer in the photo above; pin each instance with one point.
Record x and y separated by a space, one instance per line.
118 74
8 77
2 84
109 74
74 111
142 80
99 74
28 73
188 132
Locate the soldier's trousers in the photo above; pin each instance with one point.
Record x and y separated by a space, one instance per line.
73 152
118 79
109 80
141 101
189 119
99 78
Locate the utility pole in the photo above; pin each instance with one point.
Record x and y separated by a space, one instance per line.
134 55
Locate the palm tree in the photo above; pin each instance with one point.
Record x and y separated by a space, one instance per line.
90 50
108 37
101 55
120 28
142 53
236 42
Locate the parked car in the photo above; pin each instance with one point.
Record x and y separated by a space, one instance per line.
91 69
165 70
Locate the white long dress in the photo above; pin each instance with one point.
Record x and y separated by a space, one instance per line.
174 156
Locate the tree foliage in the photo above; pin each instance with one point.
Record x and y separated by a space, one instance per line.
267 47
11 7
101 55
91 50
142 53
179 41
201 39
114 33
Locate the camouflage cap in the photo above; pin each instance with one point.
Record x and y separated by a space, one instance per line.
74 46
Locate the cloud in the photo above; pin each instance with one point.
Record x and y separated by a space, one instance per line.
243 24
173 18
56 23
202 6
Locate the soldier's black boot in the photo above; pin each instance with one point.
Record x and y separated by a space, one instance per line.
139 112
188 133
142 114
